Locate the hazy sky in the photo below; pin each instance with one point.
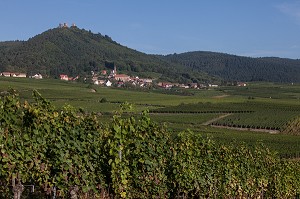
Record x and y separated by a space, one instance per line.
253 28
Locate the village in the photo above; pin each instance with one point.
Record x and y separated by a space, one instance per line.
113 79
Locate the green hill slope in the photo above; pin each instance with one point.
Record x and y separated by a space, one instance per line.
76 51
238 68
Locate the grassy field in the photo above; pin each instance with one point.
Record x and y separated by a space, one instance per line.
260 105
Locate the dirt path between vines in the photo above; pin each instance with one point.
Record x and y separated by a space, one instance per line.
216 119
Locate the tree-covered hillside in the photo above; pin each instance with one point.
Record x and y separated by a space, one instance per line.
231 67
76 51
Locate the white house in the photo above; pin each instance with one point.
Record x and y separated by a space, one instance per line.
64 77
37 76
5 74
241 84
18 74
108 83
213 85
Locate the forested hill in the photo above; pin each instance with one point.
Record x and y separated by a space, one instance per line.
75 51
231 67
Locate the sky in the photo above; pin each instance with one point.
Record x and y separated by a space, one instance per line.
254 28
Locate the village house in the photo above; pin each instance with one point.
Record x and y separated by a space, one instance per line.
146 81
108 83
20 75
64 77
37 76
213 85
193 85
76 78
72 78
122 77
6 74
103 72
96 82
241 84
183 86
95 78
10 74
120 84
99 82
165 84
202 85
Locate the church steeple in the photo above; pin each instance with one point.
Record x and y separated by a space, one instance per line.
115 69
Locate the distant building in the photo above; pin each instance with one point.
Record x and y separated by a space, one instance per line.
193 85
63 25
6 74
213 85
122 77
10 74
147 80
20 75
64 77
165 84
108 83
95 78
75 78
101 82
37 76
241 84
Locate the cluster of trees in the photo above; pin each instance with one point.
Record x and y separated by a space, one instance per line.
231 67
68 153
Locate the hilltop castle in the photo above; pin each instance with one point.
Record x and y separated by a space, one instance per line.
65 25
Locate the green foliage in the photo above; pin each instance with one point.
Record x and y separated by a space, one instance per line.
130 158
293 127
49 147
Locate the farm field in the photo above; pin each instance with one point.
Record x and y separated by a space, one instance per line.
258 106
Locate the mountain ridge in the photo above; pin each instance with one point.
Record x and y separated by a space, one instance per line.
239 68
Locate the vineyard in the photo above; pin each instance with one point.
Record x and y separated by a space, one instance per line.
256 115
179 113
70 153
271 119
